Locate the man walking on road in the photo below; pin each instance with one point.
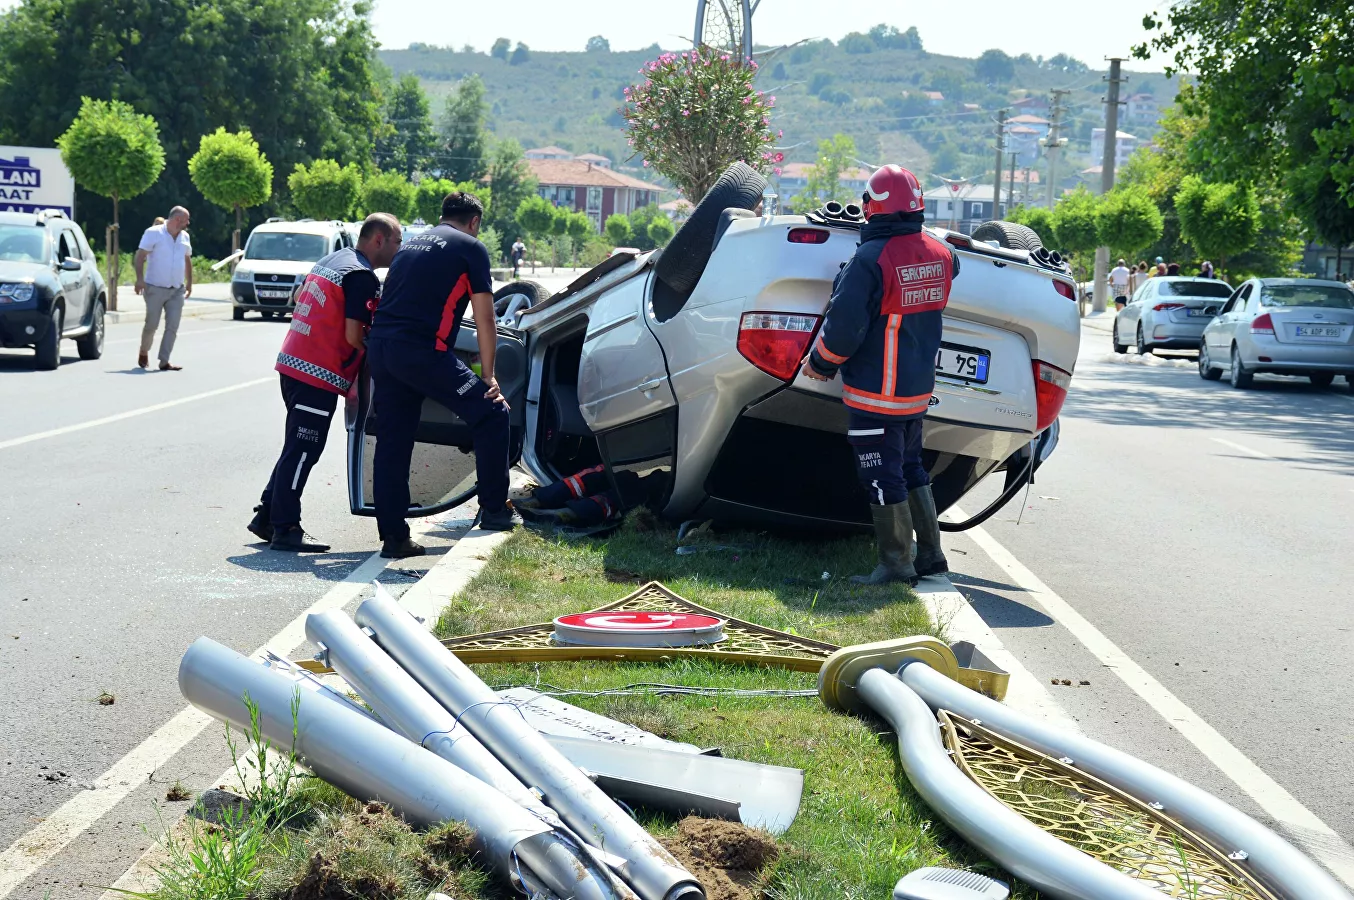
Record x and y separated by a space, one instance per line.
431 281
883 332
164 275
1120 276
320 357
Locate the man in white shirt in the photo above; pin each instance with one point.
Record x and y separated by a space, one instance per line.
164 274
1119 276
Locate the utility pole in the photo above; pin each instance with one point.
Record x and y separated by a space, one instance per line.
1025 188
1001 160
1010 195
1102 254
1053 142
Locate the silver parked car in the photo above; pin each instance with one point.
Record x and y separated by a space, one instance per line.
1169 312
1287 326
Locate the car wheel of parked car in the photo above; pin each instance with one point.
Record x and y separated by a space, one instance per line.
1207 371
1239 377
91 345
1114 339
683 260
1144 348
516 296
1322 379
48 350
237 313
1009 235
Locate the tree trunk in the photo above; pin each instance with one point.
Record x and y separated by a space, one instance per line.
235 237
1339 266
114 253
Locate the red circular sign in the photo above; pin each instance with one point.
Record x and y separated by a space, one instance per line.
638 621
638 629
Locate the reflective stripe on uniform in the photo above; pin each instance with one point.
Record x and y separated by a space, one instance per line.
864 432
890 406
890 384
314 371
311 409
828 354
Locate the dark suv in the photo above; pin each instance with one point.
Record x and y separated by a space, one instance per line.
50 287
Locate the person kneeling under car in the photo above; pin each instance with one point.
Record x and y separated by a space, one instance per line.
882 332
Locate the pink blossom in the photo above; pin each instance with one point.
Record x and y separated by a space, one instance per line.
776 170
747 100
725 57
646 164
780 134
655 126
686 112
772 101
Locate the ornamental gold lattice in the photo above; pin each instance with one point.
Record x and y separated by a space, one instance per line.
1097 818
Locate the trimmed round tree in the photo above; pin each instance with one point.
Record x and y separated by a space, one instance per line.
230 171
661 231
536 216
1040 220
579 230
1128 221
618 229
1217 220
1074 220
430 192
388 192
324 189
695 114
114 151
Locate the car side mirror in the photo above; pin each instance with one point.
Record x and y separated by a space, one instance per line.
71 264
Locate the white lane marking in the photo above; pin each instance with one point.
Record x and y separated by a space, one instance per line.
40 845
1240 448
131 413
1315 836
194 331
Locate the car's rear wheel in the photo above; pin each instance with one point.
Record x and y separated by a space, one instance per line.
1322 379
237 313
1207 371
91 345
1114 338
1144 348
48 350
1239 377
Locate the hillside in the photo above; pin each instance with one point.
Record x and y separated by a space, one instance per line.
570 99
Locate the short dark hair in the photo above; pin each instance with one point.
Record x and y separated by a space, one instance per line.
461 207
378 223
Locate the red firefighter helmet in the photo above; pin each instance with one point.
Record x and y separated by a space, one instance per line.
892 189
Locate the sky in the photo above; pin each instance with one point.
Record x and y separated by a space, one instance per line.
1088 31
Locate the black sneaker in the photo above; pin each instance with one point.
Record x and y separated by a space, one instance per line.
402 549
294 540
503 520
259 526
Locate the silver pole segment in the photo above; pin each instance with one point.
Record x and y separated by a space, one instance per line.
368 761
643 862
408 709
1016 844
1272 860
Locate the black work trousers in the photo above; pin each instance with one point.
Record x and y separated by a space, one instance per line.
309 411
888 456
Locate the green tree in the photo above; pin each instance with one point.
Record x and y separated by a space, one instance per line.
463 137
598 44
824 181
1040 220
1074 220
1218 220
324 189
890 38
500 49
230 171
618 229
520 54
115 152
510 183
579 229
430 193
388 192
857 43
409 140
994 67
661 231
535 217
1127 220
641 217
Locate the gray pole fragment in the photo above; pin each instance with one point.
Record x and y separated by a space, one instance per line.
1268 857
643 862
368 761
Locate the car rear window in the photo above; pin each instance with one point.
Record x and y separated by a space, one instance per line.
1193 289
24 243
1326 296
284 245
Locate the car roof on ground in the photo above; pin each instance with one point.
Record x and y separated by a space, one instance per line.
301 227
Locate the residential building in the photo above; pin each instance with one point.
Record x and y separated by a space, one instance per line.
972 107
967 208
936 98
794 178
1124 146
597 191
595 158
1027 120
1036 105
1325 261
1142 108
548 153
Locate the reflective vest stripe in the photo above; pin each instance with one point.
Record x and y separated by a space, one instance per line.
314 371
891 354
884 407
828 354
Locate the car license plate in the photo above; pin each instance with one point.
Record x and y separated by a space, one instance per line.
271 295
964 363
1323 331
1197 313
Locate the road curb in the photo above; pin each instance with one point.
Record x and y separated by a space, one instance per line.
190 309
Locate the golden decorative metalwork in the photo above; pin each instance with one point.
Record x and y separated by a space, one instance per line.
1097 818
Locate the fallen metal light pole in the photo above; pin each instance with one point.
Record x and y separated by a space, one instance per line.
369 761
643 862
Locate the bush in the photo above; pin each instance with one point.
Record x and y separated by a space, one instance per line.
324 189
388 192
1040 220
618 230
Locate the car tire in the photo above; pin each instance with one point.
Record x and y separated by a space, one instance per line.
237 314
1207 371
1144 348
91 345
1114 339
1239 377
535 292
1008 235
683 260
1321 379
48 350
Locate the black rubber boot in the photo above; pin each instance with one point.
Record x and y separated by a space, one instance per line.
930 558
893 534
402 549
259 526
293 538
503 520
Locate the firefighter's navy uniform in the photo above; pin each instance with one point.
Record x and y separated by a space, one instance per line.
882 334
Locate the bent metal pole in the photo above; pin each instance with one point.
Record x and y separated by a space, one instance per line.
368 761
643 862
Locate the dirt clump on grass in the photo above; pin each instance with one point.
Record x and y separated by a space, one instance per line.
726 857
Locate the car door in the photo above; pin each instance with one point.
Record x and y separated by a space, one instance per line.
442 469
1224 326
622 376
1132 313
74 283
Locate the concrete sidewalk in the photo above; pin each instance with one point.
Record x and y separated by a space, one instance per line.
1101 321
206 298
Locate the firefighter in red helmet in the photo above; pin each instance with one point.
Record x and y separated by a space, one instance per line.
882 334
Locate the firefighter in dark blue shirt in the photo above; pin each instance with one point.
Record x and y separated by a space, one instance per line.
882 333
431 281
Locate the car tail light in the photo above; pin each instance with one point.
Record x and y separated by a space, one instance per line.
808 236
962 241
1162 307
1050 390
1065 289
776 343
1263 324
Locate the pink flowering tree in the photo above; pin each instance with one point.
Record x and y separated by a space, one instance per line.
697 113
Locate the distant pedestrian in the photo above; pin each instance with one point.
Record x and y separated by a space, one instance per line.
1161 267
519 250
164 275
1120 276
158 220
1206 270
1173 269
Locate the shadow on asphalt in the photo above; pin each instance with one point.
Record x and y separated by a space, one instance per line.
1001 612
976 582
25 361
332 566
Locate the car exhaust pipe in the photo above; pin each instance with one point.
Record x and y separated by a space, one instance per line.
366 760
643 862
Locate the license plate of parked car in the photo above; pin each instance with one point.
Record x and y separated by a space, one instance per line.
1200 313
272 295
964 363
1318 331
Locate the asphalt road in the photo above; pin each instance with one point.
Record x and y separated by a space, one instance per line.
1207 532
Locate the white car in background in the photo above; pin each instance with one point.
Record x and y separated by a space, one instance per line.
276 259
1169 312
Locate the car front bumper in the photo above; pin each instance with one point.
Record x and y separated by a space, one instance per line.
243 295
15 325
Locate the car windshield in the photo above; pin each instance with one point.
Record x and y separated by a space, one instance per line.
285 245
1326 296
23 243
1193 289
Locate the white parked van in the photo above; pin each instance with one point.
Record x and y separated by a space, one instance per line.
277 258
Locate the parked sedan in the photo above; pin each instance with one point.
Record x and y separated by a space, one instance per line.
1169 313
1287 326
